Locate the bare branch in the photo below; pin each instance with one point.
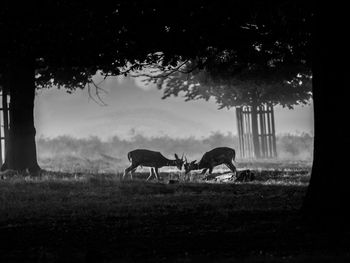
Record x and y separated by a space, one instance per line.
99 100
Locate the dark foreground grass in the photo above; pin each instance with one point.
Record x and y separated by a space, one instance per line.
102 219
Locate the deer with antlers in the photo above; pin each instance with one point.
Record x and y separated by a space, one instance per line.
152 159
215 157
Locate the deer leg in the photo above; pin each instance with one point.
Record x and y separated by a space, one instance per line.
231 167
132 173
151 172
157 174
204 171
125 172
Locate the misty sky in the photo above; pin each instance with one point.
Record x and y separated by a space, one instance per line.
133 109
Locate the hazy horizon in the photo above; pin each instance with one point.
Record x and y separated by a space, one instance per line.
133 108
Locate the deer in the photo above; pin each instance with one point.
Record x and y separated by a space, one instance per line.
152 159
215 157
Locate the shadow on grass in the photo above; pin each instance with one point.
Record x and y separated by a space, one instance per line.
102 219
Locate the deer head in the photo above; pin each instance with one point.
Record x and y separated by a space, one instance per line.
189 166
179 162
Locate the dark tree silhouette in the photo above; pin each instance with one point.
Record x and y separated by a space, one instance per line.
327 195
250 86
64 43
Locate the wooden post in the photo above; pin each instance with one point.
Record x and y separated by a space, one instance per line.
269 109
260 132
255 132
240 130
250 144
264 129
246 132
273 132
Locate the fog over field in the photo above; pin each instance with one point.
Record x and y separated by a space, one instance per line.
132 108
67 153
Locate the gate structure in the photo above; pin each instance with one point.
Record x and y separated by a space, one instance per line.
256 131
4 122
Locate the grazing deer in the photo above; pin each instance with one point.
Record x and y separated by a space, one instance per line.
154 160
217 156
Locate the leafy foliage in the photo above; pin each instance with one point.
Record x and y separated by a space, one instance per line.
263 57
237 90
71 40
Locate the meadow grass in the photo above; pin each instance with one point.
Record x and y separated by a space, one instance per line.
55 193
63 217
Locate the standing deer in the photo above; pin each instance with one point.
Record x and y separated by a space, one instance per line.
217 156
152 159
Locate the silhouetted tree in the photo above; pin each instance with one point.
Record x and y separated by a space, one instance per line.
327 194
230 89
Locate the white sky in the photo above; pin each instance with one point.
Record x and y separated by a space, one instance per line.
132 109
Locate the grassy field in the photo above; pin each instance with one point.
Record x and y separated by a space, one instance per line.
81 217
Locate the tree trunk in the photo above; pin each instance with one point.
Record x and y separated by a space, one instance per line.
21 150
327 195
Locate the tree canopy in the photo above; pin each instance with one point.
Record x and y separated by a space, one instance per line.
251 53
249 87
70 41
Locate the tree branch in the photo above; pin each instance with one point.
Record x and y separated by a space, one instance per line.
98 89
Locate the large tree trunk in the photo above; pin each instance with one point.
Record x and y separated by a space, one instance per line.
327 195
21 150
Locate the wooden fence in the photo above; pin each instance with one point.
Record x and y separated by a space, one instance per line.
258 142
